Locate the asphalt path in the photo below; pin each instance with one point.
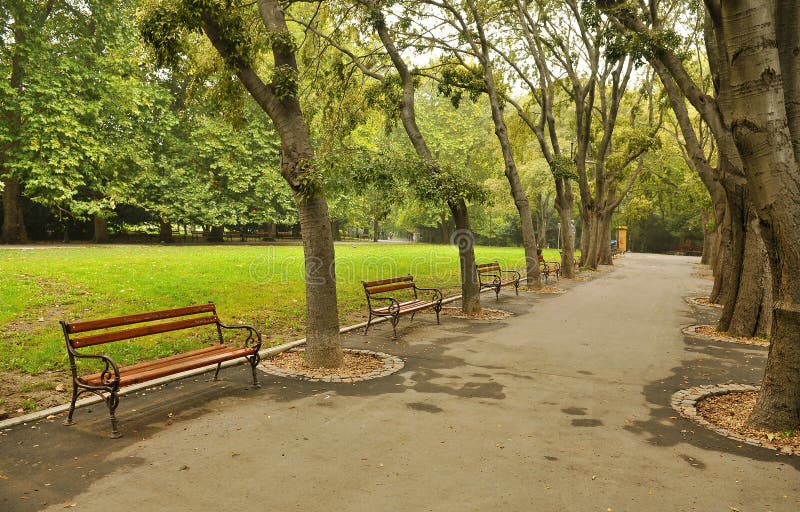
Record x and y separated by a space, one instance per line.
562 407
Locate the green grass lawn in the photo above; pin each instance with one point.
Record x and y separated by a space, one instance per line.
259 285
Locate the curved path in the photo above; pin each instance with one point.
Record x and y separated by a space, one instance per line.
564 407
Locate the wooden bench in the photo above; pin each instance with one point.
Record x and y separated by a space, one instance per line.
546 268
493 271
378 290
107 382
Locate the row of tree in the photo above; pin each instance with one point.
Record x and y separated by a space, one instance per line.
566 75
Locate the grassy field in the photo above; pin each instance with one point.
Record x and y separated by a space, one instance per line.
259 285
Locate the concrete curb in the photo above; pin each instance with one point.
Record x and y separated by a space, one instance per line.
685 402
264 353
690 331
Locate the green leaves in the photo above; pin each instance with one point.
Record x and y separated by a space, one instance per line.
563 167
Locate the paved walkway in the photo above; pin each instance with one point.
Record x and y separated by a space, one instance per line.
564 407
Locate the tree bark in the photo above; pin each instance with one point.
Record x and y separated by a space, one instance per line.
753 310
708 238
465 238
564 203
299 169
465 241
100 230
765 83
375 228
13 220
165 232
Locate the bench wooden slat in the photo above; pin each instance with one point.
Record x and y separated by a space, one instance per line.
128 378
381 282
166 361
137 332
119 321
403 306
389 288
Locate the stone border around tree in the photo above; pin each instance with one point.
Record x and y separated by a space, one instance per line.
694 302
391 364
690 331
685 402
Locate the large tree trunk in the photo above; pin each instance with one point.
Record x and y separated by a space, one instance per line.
165 232
465 241
299 169
753 309
465 238
563 204
100 230
13 221
733 260
604 240
532 276
765 85
708 237
323 346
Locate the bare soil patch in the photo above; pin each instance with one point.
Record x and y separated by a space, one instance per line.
21 393
704 275
731 410
355 364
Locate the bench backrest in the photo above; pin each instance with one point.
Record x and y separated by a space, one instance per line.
203 314
388 285
488 268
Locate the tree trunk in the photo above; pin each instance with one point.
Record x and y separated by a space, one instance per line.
165 232
100 230
564 203
591 237
465 241
299 169
604 240
708 236
753 298
323 346
465 238
765 85
216 234
335 230
731 267
13 221
375 228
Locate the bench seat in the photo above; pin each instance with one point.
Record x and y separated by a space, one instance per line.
149 370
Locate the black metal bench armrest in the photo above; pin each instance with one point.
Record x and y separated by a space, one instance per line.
516 273
394 303
110 365
437 293
252 332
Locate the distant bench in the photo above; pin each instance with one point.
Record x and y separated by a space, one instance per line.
378 290
107 382
548 268
490 276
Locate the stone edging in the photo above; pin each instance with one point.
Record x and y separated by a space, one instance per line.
693 301
685 402
690 331
391 364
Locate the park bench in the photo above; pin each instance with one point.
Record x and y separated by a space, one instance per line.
490 276
548 268
394 308
107 382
